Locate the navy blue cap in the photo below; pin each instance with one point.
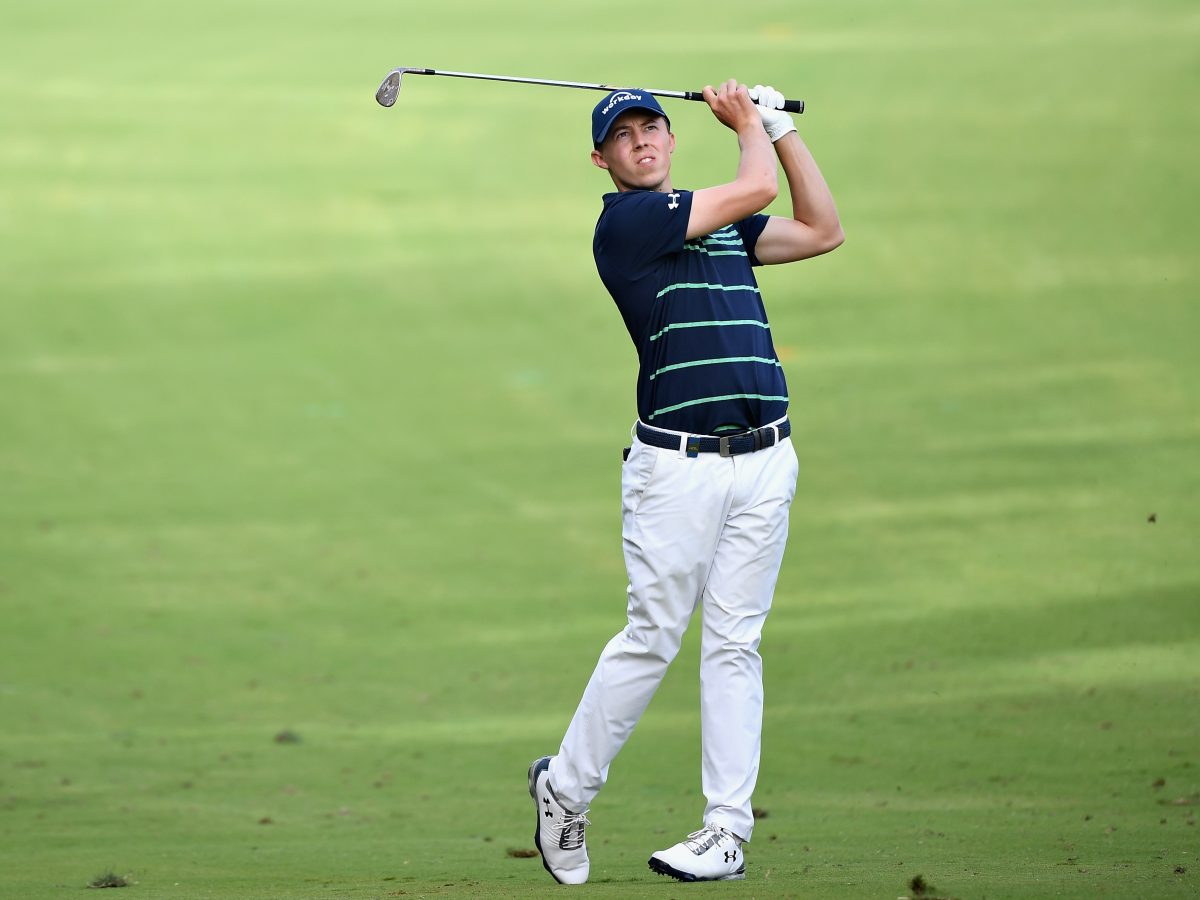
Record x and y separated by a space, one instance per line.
610 108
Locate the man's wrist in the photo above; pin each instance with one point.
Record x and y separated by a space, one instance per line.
753 131
778 130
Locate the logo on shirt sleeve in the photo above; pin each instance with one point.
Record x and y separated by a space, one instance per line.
674 204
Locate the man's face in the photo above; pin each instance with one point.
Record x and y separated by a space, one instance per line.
637 152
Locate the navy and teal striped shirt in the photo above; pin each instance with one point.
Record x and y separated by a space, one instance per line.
693 309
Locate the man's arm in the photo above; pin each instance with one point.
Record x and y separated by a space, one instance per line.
814 227
756 183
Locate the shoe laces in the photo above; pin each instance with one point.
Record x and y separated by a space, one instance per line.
570 830
697 839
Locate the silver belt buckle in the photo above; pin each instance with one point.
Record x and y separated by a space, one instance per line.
723 446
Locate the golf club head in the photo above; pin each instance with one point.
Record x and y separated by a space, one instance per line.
390 89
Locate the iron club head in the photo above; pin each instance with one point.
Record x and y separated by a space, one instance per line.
390 89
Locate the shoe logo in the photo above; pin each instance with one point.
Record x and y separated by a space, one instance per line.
548 813
730 856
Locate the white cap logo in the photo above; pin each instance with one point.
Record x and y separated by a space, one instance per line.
623 97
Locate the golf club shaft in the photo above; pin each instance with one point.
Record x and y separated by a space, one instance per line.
796 106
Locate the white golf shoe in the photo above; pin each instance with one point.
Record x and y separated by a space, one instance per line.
559 835
710 854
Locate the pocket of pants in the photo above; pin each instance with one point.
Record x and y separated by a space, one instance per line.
636 473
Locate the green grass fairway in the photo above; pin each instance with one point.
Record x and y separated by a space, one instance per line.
310 421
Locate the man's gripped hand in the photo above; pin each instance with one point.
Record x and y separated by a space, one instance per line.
770 109
733 107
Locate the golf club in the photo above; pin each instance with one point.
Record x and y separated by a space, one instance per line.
390 89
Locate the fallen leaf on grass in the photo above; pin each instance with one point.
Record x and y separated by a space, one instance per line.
108 880
923 890
1189 800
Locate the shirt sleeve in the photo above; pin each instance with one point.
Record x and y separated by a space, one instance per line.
750 228
643 226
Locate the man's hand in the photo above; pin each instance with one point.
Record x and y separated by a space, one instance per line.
770 109
733 107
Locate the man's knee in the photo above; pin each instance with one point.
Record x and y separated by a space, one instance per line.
652 641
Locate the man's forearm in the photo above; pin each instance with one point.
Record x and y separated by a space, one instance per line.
812 202
753 189
756 161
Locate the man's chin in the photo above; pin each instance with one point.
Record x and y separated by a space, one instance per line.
646 183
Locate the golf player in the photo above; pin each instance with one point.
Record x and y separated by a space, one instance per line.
708 481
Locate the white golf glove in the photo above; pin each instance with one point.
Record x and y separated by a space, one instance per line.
770 109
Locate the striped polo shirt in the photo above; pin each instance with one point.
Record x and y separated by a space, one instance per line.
694 312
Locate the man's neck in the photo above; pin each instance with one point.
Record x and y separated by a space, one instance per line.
663 188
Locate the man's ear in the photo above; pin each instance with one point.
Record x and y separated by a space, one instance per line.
598 160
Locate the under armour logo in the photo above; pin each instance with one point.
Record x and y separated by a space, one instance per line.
674 204
546 800
730 856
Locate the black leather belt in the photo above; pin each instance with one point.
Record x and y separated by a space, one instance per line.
729 445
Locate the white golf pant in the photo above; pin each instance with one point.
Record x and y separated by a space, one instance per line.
707 531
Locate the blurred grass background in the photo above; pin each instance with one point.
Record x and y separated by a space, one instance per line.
310 415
